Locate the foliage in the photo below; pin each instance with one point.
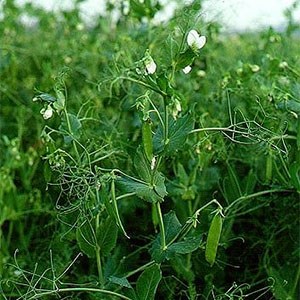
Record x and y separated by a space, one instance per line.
149 165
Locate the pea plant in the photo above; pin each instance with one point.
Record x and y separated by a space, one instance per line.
152 163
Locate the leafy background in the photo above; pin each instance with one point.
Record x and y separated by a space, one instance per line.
50 209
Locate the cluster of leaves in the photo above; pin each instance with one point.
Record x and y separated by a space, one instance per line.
147 184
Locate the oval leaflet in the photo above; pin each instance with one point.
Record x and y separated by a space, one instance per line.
147 139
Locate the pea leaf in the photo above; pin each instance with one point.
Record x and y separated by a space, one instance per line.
145 191
295 175
290 105
147 283
284 279
188 245
72 128
185 58
172 227
152 186
107 236
46 98
85 236
178 132
142 166
121 281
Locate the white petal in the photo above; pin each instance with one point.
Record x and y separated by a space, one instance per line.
151 67
47 114
201 42
192 37
187 69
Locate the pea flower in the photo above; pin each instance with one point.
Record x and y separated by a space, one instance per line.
150 66
195 41
47 112
187 69
149 63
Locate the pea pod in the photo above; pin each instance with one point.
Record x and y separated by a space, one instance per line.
213 238
147 139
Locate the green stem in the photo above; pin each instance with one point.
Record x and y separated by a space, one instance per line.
253 196
71 133
141 268
98 256
144 84
189 225
85 289
1 256
166 127
161 227
296 282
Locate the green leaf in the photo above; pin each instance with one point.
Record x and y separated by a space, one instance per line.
85 236
147 283
179 264
152 186
60 103
298 133
178 132
145 191
121 281
295 175
172 228
142 165
185 59
172 225
107 234
72 128
284 282
181 173
188 245
290 105
46 98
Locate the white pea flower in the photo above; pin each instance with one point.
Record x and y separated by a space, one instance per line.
80 26
254 68
176 108
187 69
195 41
47 112
153 162
126 8
201 73
283 65
150 65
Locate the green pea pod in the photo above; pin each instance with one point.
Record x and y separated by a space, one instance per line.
147 139
213 238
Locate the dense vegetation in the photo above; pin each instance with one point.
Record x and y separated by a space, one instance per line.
131 176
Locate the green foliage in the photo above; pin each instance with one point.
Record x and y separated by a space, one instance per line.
147 283
107 176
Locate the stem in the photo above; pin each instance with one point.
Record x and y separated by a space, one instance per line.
115 206
190 207
1 256
188 225
296 281
253 196
98 256
157 112
85 289
71 133
166 127
161 227
144 84
141 268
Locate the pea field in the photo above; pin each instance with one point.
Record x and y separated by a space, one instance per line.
147 160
